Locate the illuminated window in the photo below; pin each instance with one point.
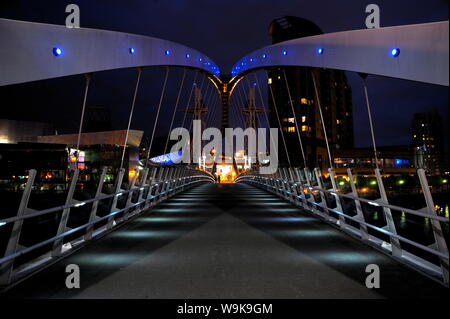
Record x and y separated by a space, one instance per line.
338 121
269 81
305 128
303 100
291 120
291 129
303 119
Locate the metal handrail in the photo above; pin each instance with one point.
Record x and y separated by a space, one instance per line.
73 230
295 192
36 213
169 181
370 202
386 232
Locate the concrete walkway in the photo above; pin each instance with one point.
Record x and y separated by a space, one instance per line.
227 241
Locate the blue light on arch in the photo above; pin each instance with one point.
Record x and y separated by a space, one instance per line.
57 51
167 52
320 51
284 52
132 50
395 52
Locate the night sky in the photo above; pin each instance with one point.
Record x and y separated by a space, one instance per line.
225 31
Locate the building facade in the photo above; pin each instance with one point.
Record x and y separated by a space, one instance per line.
427 142
335 97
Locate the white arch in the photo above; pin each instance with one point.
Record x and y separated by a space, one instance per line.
424 53
26 52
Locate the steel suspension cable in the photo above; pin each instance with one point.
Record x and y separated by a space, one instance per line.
157 114
189 99
321 118
295 117
131 115
243 100
175 110
279 121
88 77
206 101
366 93
201 88
265 113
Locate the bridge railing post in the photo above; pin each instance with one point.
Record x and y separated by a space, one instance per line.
299 195
174 181
6 269
342 223
93 214
131 189
62 227
396 248
440 243
323 201
293 198
117 188
285 183
143 184
157 186
359 212
165 184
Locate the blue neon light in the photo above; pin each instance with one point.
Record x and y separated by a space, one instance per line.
167 52
167 159
320 51
57 51
132 50
395 52
284 52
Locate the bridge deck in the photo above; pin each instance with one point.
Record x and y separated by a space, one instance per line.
227 241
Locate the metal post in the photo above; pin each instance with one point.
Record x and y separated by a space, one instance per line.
57 245
132 187
6 268
323 203
143 184
342 222
359 212
93 215
117 189
440 243
395 243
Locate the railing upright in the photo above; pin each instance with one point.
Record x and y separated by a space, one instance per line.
117 188
395 243
143 183
131 188
342 223
359 211
93 214
440 243
6 269
323 203
62 227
